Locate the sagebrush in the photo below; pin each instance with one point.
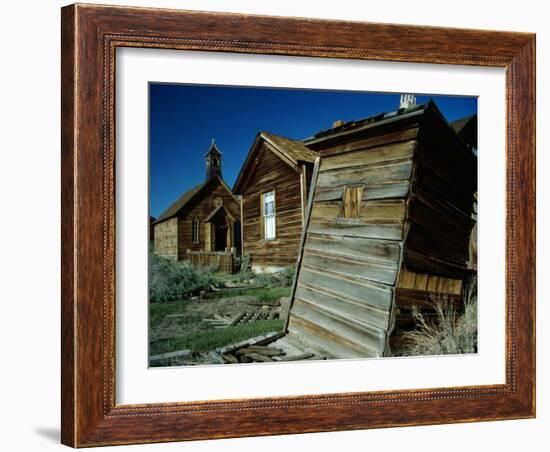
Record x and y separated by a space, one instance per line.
282 278
171 280
453 331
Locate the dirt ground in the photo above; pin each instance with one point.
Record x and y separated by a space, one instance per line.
187 316
184 325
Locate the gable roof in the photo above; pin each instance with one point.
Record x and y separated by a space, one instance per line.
181 202
466 128
215 211
295 150
187 197
290 151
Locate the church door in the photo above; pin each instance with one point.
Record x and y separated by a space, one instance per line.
221 237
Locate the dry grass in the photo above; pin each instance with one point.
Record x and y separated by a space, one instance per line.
453 331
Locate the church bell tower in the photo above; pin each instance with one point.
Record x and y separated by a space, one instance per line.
213 162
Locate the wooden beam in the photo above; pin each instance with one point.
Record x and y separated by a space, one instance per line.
303 238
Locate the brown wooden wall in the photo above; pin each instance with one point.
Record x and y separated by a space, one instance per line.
201 208
166 238
272 173
441 203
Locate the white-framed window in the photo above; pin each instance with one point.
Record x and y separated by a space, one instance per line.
195 230
268 214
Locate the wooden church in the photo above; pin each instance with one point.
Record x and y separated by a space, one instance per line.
204 219
388 226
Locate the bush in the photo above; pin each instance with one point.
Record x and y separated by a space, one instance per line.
170 280
281 278
452 332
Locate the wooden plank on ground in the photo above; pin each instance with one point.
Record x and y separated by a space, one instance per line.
237 318
300 357
170 355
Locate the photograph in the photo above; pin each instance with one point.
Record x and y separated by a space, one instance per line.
270 225
294 224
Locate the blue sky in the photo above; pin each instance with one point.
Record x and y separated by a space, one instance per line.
183 119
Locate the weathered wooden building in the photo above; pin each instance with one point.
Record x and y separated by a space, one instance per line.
273 185
205 219
388 227
466 128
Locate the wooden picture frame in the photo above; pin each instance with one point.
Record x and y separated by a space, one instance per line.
90 36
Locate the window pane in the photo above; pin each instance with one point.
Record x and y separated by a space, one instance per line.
269 214
270 227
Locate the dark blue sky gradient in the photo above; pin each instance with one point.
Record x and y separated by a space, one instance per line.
184 119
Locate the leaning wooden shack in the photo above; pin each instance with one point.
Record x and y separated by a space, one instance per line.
388 227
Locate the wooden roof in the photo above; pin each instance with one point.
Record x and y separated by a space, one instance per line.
466 128
362 125
187 197
290 151
295 150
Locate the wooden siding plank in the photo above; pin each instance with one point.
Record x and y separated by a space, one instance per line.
380 210
421 281
380 190
382 139
368 338
331 301
408 298
389 231
423 262
399 169
371 249
363 157
406 278
438 245
359 268
166 238
378 295
321 339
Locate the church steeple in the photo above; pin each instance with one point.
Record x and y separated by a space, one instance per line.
213 161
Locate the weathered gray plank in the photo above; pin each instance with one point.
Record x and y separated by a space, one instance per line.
359 268
349 308
388 189
361 157
380 190
371 249
361 291
367 337
329 344
379 210
377 140
358 228
378 172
